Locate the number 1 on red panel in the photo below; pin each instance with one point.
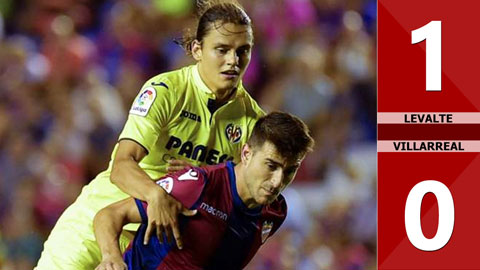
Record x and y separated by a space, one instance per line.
432 33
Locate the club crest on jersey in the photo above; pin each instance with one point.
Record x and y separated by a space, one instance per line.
166 183
266 229
233 133
144 101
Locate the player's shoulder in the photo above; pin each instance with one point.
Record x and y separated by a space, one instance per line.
215 177
173 81
217 171
203 173
185 185
190 173
185 179
252 108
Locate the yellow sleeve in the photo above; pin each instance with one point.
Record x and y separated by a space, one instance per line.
150 112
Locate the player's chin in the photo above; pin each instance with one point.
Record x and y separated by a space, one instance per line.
263 200
267 200
230 86
230 83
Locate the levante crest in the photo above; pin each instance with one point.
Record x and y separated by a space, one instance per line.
266 229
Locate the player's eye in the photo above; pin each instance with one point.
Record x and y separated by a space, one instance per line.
243 51
222 50
272 167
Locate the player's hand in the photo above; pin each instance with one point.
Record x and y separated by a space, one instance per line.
162 212
175 165
112 263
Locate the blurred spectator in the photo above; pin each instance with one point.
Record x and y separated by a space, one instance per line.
22 241
1 26
70 69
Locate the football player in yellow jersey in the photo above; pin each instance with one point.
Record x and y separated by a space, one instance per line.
199 114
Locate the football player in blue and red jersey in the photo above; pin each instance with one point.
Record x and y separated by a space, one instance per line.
238 206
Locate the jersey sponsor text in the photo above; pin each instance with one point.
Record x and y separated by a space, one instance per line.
212 211
196 152
191 116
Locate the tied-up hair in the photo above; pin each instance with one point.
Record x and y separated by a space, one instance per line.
290 135
212 14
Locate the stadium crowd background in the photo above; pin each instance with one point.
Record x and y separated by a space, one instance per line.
69 70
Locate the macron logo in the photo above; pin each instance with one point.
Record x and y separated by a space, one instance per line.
213 211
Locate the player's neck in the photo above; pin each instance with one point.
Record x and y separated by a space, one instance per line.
224 95
242 189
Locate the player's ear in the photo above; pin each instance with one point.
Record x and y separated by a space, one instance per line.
197 50
246 154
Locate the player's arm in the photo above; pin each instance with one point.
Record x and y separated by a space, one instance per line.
107 225
163 209
127 174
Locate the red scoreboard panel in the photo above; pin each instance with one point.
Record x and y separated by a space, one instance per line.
428 134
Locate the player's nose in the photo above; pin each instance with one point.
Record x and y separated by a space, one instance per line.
277 179
232 58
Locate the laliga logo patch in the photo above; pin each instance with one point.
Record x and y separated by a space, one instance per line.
233 133
266 229
166 183
144 101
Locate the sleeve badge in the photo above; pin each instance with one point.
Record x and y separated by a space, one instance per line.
144 101
166 183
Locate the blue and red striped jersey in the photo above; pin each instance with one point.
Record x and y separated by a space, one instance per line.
224 234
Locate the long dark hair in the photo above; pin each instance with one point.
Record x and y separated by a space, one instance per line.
212 14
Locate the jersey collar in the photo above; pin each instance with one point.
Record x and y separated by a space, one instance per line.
237 201
199 82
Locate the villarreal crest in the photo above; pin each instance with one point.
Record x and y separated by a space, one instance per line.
266 229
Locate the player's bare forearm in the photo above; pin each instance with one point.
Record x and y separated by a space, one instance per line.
108 224
127 174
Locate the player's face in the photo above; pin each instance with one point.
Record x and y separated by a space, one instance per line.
223 55
267 173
